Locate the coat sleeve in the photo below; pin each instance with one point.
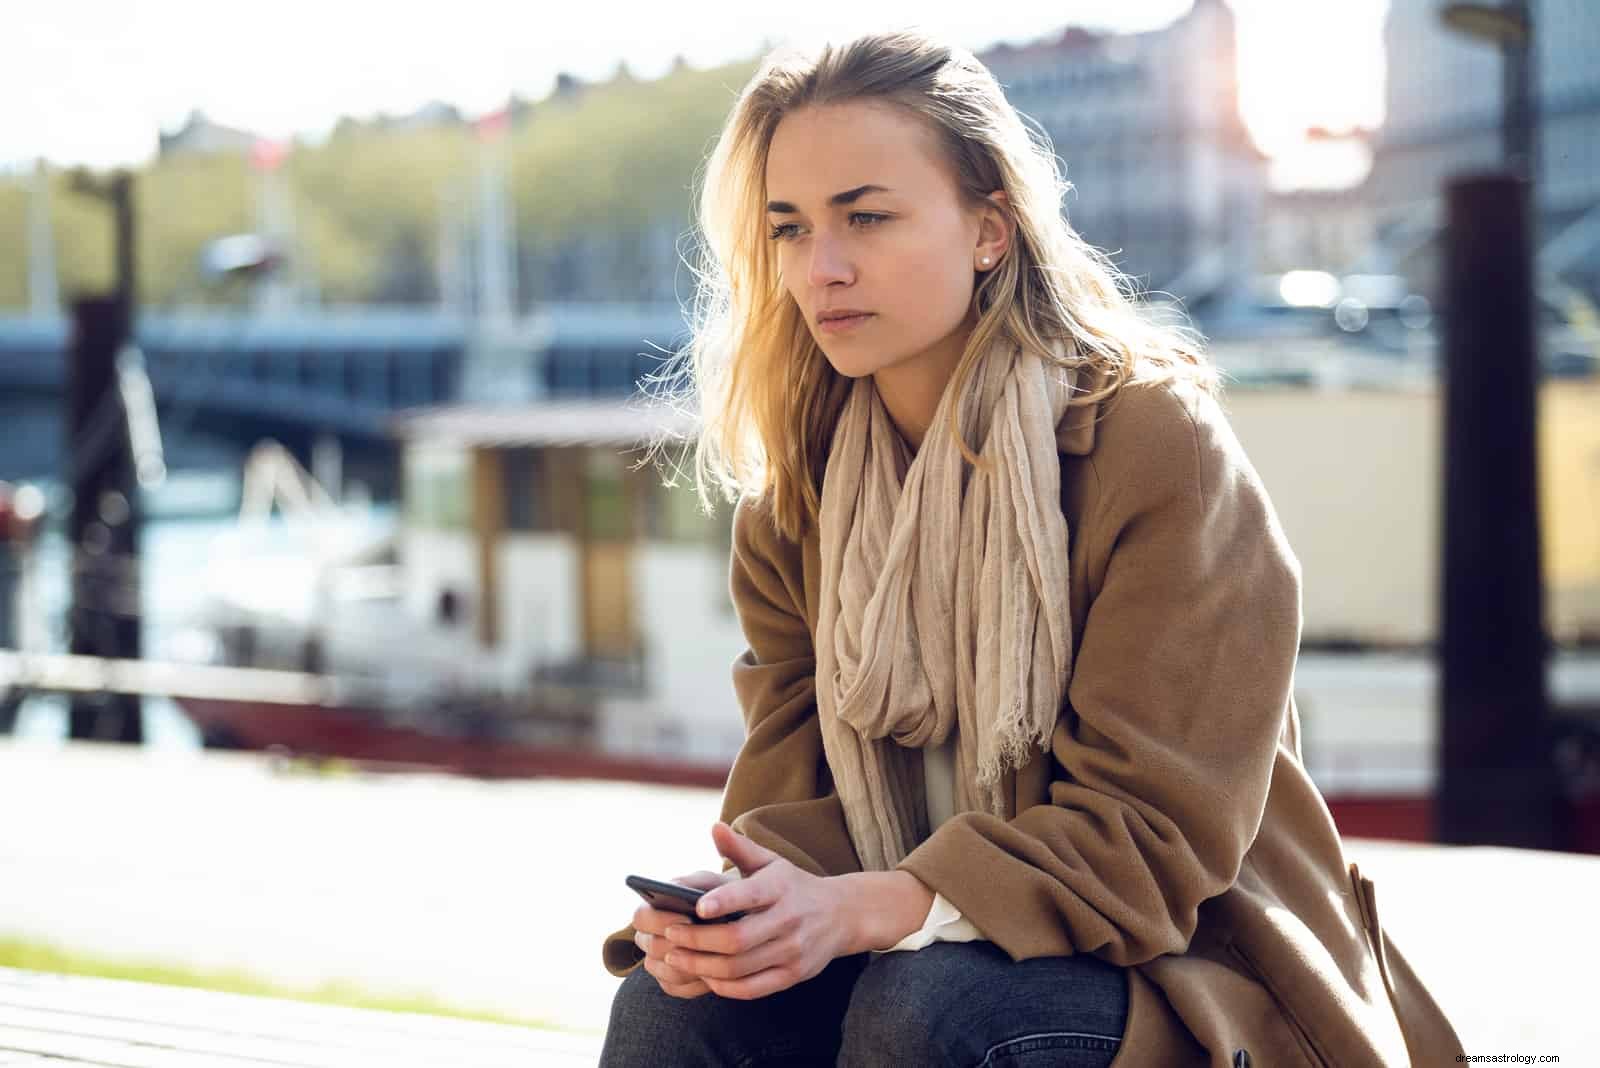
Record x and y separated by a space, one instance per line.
779 791
1164 749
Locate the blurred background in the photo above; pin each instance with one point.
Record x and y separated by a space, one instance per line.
326 336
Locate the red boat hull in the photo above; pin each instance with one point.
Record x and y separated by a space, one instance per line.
366 737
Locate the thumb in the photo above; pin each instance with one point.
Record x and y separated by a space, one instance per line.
745 853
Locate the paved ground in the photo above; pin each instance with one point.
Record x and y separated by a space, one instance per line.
496 895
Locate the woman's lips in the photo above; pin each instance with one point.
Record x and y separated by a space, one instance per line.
839 326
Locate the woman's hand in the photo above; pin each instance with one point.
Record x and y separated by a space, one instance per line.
795 922
651 924
791 931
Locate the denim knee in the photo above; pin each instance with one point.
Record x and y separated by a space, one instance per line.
887 1023
795 1027
969 1004
644 1020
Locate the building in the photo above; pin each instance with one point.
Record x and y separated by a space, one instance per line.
199 136
1314 229
432 115
1166 177
1443 103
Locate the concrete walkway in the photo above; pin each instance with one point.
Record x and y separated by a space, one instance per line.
495 896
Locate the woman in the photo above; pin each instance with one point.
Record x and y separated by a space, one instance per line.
1022 777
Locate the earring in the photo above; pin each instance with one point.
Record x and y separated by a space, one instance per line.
985 261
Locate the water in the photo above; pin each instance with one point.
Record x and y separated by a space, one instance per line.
185 518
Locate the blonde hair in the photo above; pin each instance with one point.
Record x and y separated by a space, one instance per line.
768 400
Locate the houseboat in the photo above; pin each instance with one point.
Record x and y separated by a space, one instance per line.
566 612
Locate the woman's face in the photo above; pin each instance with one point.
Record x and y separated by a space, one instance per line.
904 253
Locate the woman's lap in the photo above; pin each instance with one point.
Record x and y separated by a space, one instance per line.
797 1026
958 1003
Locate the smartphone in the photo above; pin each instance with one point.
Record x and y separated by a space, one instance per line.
673 897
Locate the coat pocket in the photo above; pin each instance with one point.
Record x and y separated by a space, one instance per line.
1307 1048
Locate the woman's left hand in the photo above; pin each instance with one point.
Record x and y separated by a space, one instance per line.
795 924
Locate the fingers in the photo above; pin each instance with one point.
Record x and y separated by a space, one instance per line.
755 986
702 880
773 953
729 939
760 891
652 942
654 920
744 852
674 982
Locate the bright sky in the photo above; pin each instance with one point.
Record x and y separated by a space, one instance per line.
92 81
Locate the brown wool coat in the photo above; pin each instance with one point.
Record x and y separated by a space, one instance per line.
1172 828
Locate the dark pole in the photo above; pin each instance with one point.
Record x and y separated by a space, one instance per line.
21 509
1497 782
102 531
120 194
103 523
9 573
1519 74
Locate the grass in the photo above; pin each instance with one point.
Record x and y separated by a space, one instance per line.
42 957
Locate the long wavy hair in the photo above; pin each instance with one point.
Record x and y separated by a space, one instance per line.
764 396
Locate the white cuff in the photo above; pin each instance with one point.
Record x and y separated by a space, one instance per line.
944 924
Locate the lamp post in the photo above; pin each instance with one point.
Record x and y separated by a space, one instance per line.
1509 26
1497 780
104 518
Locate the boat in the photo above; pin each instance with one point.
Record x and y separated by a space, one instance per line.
547 605
450 635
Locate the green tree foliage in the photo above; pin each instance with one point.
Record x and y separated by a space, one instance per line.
601 164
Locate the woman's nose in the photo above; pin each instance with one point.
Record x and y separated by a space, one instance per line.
828 262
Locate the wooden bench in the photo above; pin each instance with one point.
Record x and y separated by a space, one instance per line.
60 1019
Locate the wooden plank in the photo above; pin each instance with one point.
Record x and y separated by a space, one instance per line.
268 1040
137 1025
161 1002
75 1049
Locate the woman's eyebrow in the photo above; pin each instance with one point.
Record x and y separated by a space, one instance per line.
849 196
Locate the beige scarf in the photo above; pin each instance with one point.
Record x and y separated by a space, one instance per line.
944 598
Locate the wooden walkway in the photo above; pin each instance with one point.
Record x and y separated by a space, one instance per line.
48 1020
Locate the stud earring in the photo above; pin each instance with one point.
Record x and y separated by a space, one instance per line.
985 261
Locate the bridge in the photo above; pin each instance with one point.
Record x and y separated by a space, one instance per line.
340 372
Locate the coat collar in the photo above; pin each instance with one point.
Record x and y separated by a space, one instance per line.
1075 432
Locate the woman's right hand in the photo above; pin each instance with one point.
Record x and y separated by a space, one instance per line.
650 928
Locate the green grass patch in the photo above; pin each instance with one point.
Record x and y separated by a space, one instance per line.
42 957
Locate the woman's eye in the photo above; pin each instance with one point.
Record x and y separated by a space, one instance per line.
866 219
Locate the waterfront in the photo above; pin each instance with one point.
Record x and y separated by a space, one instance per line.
1367 717
187 516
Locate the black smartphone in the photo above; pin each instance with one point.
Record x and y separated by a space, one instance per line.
674 897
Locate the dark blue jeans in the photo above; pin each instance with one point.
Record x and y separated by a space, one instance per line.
949 1003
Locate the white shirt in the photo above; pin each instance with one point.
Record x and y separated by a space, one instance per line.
944 922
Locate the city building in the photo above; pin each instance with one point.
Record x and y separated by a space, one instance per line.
1313 229
1444 117
1166 177
199 136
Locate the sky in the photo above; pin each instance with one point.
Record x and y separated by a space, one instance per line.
93 81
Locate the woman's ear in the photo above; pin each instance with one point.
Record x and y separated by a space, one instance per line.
995 230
